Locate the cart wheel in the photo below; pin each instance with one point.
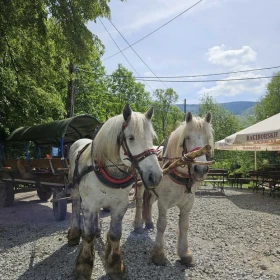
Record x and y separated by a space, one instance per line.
59 207
44 195
7 195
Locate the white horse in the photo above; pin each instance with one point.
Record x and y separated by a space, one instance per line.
176 189
102 173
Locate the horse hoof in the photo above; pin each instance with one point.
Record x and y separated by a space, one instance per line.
188 261
119 276
138 230
115 267
81 275
150 225
158 257
83 271
74 236
159 261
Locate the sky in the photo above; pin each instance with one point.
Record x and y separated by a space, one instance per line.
215 36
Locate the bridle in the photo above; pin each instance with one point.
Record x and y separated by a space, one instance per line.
134 159
183 177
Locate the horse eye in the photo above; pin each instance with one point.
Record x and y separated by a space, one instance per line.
187 138
130 137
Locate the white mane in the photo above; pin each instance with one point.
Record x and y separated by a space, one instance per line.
106 141
175 142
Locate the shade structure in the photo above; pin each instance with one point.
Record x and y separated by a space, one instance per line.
262 136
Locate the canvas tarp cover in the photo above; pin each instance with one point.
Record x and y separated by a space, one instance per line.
262 136
71 129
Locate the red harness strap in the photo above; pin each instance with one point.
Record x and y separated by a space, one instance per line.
113 180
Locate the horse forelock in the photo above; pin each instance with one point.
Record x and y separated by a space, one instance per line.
175 143
106 141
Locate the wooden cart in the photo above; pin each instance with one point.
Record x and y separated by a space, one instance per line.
43 166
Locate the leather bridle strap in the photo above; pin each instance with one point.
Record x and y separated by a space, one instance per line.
135 159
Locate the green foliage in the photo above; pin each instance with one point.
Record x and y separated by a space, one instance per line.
269 104
38 40
122 88
223 122
166 115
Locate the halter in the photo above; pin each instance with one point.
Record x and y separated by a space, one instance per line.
180 178
135 159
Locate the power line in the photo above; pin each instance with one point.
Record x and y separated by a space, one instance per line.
193 76
138 54
123 54
213 74
205 81
153 31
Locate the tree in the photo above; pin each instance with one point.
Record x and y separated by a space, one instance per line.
91 95
163 105
39 39
122 89
269 104
224 122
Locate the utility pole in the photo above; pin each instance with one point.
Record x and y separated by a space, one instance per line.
70 103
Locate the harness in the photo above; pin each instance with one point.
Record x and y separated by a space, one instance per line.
177 176
101 172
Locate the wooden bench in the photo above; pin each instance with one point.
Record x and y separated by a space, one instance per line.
238 179
217 178
28 168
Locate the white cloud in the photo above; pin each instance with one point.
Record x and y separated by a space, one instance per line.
220 56
234 88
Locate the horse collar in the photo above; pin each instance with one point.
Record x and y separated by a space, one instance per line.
109 181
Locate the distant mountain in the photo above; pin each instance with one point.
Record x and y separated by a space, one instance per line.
236 107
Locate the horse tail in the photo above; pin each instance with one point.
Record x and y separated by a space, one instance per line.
146 204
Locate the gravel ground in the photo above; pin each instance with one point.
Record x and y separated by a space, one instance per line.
236 236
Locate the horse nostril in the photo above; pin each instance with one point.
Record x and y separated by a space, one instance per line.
196 169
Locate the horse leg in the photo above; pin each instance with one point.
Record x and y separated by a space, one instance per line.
158 254
74 233
148 200
183 249
85 259
113 259
138 221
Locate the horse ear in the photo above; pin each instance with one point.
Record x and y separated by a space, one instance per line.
208 117
188 117
149 113
127 112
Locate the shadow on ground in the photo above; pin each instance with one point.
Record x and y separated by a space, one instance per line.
249 200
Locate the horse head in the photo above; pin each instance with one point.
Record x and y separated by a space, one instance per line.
129 139
136 145
198 133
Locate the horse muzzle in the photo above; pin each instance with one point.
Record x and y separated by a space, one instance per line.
200 171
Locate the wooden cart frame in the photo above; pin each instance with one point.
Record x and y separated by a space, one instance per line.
48 174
